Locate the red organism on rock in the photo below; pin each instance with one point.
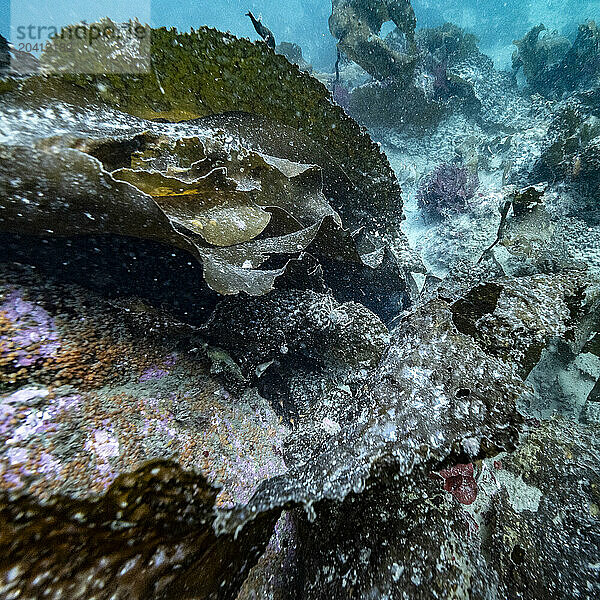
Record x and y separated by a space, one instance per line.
459 480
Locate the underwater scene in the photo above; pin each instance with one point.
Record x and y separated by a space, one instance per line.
300 300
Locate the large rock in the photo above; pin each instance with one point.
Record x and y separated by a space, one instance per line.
544 528
112 425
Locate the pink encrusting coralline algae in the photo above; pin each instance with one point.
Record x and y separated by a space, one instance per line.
34 336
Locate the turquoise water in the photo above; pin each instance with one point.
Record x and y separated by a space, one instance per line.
496 22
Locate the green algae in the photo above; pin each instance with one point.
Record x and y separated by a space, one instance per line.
207 72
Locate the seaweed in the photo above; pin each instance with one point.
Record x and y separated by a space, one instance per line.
203 189
149 535
208 72
571 149
552 66
357 24
447 191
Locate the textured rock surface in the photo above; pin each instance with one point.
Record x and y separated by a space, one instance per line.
550 549
97 396
434 397
290 323
570 152
111 423
516 318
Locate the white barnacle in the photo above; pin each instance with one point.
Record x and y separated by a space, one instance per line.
129 565
12 574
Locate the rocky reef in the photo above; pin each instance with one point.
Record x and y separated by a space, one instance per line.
226 374
413 80
553 66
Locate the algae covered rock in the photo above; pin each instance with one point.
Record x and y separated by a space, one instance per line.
553 508
538 307
447 44
377 519
286 323
535 54
427 548
432 87
570 151
379 104
435 396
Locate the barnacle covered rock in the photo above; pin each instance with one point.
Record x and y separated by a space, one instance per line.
401 540
553 505
287 323
91 388
535 503
540 308
434 397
